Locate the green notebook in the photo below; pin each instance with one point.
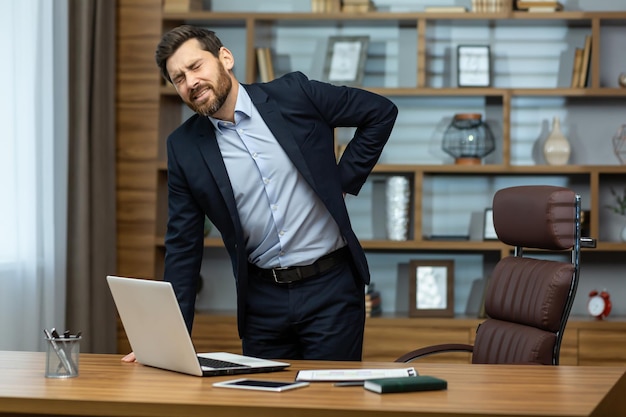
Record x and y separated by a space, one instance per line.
405 384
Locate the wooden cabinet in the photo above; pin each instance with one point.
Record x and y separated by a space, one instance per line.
412 61
585 342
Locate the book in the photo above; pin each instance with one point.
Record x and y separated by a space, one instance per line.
376 311
406 384
576 66
269 64
548 9
358 8
527 4
490 6
261 60
372 302
325 6
264 64
584 66
332 6
445 9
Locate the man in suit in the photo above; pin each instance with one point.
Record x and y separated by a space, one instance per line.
258 160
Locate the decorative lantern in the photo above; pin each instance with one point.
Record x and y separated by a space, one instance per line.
468 139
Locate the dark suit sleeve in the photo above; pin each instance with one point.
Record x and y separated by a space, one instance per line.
372 115
184 238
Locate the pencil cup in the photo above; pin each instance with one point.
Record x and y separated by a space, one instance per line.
62 355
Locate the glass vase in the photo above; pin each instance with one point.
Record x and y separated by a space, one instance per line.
619 144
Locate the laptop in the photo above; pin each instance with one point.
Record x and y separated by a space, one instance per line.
159 338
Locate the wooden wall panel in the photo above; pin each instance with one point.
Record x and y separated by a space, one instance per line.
137 114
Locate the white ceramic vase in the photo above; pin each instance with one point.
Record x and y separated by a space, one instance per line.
556 149
623 234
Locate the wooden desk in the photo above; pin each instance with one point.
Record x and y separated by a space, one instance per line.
106 386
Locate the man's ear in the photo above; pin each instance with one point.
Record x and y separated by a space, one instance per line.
226 58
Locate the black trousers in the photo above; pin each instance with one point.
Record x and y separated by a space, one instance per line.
320 318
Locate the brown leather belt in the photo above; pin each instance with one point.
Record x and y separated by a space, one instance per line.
286 275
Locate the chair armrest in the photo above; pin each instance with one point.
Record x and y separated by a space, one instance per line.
587 242
434 349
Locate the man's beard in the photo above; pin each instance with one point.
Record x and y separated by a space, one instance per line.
221 89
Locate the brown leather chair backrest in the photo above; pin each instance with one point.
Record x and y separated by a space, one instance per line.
526 297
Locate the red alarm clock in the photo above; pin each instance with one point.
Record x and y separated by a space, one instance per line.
599 304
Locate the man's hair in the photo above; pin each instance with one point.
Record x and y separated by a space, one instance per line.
172 40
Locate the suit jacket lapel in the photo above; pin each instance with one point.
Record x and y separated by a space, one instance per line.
210 151
273 119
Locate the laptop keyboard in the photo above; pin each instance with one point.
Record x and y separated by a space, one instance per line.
216 363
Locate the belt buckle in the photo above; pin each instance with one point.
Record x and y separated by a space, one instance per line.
284 268
280 268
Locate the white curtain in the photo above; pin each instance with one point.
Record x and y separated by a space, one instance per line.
33 171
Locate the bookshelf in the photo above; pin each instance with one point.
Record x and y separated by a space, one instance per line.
421 83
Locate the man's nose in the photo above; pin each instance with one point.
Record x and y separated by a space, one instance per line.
192 81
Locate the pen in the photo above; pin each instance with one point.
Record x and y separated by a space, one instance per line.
60 352
348 384
64 348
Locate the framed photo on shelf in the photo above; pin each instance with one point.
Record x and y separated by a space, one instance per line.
489 231
473 66
431 288
345 60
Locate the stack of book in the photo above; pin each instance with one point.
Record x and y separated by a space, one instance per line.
325 6
357 6
373 307
539 5
491 6
580 68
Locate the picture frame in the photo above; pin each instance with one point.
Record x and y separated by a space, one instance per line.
489 231
473 66
431 288
345 60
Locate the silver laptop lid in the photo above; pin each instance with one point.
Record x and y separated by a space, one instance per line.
154 324
158 335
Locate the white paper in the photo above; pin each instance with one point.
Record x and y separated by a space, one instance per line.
331 375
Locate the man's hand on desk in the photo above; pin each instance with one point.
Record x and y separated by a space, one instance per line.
129 358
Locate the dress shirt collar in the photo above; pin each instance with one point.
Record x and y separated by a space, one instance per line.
243 110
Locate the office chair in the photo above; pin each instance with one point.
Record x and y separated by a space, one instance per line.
528 300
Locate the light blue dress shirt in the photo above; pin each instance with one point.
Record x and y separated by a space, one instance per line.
284 221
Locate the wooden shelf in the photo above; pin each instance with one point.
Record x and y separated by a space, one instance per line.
428 245
207 15
503 169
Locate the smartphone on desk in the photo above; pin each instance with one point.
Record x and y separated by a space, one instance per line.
260 385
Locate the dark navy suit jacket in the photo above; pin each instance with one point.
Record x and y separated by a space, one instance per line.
302 115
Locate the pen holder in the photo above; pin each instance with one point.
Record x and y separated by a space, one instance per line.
62 355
